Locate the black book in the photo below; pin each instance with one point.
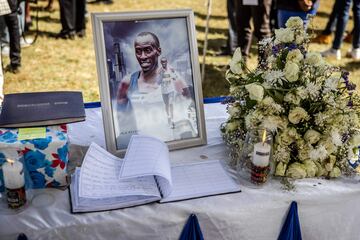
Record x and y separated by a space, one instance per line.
41 109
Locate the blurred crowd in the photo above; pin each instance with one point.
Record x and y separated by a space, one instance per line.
261 17
15 20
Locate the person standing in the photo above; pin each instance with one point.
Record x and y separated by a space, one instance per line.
343 18
72 17
4 9
296 8
12 23
259 11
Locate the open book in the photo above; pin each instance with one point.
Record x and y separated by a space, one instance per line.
106 182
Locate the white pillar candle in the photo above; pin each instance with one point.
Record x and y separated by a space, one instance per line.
261 154
13 174
14 182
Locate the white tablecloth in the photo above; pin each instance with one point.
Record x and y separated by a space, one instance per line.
327 209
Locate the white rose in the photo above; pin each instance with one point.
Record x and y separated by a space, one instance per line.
292 98
312 136
295 22
310 168
297 114
335 172
233 110
280 169
329 165
294 56
256 92
236 65
231 126
285 35
291 71
299 39
314 58
355 140
296 170
320 169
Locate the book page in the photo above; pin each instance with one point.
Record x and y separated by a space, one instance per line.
99 177
147 156
200 179
100 204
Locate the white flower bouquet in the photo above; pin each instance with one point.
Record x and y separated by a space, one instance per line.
310 106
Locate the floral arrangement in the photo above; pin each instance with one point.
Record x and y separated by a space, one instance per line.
310 106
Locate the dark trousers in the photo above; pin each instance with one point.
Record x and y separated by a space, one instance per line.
67 15
342 20
331 24
261 19
232 34
12 23
80 15
72 15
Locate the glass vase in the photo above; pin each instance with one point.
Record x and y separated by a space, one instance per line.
255 161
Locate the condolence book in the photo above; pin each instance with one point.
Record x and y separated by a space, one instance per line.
106 182
41 109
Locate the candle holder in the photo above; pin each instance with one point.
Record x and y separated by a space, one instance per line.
14 198
255 163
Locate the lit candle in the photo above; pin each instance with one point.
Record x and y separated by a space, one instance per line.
260 161
261 154
14 182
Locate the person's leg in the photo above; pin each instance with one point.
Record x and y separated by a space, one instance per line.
243 17
1 80
355 51
356 31
67 18
80 18
261 17
331 23
232 34
343 18
12 23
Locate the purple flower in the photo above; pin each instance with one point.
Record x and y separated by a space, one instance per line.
228 99
292 46
345 75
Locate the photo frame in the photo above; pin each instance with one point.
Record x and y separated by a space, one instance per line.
149 77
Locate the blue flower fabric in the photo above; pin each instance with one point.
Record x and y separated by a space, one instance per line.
8 137
35 159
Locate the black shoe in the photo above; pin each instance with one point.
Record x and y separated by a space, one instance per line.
65 35
13 68
81 33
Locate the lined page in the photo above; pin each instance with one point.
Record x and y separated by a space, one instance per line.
147 156
99 177
200 179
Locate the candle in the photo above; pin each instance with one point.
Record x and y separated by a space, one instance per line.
14 182
261 154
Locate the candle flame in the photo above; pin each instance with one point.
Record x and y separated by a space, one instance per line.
264 136
10 161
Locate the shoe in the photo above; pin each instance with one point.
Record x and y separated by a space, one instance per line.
65 35
354 54
81 33
332 53
322 39
12 68
348 38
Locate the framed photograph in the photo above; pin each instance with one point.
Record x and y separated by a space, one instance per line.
149 77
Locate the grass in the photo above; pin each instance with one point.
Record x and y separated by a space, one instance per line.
52 64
